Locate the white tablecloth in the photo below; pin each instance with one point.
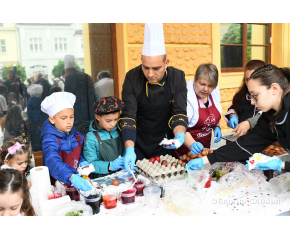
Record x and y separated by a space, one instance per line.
254 200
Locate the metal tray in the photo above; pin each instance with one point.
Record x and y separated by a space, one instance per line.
229 138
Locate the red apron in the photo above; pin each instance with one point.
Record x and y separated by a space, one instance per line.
72 159
201 132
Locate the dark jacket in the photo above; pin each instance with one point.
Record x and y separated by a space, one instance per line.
81 85
132 87
36 118
51 148
46 87
16 89
258 138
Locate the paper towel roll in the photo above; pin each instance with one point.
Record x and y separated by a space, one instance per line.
40 183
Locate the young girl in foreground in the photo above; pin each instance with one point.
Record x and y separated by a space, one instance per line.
15 154
14 194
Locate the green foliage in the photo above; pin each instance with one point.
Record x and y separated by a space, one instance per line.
234 36
20 72
56 71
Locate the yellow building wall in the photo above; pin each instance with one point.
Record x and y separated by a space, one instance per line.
9 33
281 44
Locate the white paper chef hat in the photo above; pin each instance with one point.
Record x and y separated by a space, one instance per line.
153 40
57 102
35 90
69 61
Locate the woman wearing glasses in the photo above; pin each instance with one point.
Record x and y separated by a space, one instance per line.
242 115
269 90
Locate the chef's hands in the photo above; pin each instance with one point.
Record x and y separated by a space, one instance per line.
195 164
179 136
242 129
117 164
130 158
274 164
196 148
233 122
84 163
80 183
217 134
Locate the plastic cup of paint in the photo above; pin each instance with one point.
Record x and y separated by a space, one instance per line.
94 202
128 196
72 192
110 200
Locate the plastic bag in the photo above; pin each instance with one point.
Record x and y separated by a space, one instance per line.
181 199
240 176
197 179
72 207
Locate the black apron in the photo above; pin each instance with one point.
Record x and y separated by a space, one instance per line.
109 150
153 115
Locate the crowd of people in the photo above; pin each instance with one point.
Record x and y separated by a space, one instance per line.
157 102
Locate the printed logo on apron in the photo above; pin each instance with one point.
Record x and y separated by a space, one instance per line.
209 122
76 163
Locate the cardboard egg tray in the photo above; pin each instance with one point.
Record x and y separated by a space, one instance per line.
158 173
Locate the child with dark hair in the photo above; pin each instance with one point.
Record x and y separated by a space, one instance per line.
54 89
242 110
12 100
13 123
14 154
14 194
104 144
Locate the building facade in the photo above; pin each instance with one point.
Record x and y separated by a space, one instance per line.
9 45
42 45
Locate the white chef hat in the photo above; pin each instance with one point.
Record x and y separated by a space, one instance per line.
57 102
69 61
153 40
35 90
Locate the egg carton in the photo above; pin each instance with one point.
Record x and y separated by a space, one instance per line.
158 173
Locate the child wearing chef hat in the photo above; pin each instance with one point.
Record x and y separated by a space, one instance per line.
104 145
61 143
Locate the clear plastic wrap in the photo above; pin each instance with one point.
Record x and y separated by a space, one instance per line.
239 176
198 178
181 199
71 209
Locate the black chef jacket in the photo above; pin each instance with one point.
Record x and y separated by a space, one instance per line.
132 87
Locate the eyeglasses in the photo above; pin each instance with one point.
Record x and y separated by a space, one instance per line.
255 96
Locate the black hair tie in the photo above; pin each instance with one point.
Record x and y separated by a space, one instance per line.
282 71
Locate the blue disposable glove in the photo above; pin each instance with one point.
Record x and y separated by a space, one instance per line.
274 164
217 134
84 163
196 148
179 136
117 164
80 183
195 164
233 122
130 157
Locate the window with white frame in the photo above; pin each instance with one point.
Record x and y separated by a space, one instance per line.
3 46
35 45
60 45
